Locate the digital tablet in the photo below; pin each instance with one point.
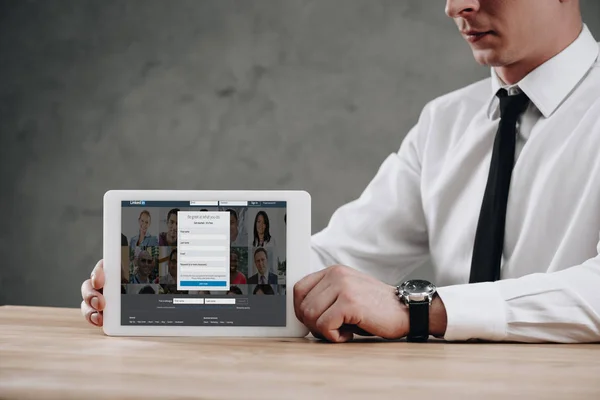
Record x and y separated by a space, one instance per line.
204 263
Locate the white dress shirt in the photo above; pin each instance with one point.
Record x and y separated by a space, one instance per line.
424 203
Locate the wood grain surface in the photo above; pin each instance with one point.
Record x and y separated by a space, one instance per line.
52 353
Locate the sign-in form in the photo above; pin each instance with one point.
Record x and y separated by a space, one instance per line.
203 250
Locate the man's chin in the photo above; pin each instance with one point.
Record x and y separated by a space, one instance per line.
487 57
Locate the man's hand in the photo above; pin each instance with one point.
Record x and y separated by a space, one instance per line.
93 301
339 301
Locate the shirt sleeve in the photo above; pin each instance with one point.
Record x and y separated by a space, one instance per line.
382 233
561 307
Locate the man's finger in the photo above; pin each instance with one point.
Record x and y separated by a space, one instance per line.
319 299
356 330
303 286
91 296
331 324
317 335
97 276
92 316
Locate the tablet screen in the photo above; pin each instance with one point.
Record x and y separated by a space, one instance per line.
203 263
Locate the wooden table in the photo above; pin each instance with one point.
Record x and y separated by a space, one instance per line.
53 353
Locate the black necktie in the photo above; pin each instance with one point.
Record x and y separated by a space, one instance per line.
489 238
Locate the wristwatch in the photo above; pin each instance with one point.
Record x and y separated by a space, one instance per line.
417 295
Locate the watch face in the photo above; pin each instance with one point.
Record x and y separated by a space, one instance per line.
418 286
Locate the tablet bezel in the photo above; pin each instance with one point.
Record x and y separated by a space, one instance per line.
298 258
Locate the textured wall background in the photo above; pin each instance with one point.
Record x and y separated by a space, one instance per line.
201 94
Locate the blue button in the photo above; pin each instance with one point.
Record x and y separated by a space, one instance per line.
203 283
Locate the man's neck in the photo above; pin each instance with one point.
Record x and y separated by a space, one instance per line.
515 72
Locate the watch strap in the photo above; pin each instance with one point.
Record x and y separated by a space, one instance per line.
418 312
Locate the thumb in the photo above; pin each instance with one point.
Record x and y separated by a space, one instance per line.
97 277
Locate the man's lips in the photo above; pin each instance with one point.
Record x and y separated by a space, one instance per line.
475 36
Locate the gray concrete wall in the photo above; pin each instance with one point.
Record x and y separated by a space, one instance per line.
202 94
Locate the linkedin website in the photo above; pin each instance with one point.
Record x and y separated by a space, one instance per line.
203 263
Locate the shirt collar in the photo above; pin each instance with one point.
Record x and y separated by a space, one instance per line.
550 84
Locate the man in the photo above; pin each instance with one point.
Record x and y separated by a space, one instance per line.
442 196
497 185
235 276
263 276
144 268
169 238
170 278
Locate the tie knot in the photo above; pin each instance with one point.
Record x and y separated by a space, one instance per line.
512 106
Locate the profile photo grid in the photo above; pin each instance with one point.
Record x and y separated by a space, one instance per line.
257 258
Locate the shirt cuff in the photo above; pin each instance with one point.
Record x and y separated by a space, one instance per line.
475 311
